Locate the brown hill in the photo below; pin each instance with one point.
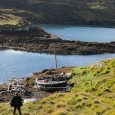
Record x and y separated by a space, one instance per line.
90 12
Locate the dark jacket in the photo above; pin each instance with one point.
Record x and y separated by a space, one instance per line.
16 101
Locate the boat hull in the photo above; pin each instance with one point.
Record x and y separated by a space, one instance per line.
52 86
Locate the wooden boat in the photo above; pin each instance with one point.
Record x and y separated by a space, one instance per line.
53 83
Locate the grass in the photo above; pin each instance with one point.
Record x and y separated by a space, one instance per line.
93 94
7 17
96 5
12 18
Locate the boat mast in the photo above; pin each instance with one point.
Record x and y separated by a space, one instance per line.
56 62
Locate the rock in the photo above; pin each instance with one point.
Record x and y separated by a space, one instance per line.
35 40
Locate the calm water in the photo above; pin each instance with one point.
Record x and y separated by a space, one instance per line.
82 33
15 64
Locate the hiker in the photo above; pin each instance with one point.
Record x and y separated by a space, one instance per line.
16 102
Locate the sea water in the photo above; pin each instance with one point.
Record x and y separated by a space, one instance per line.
18 64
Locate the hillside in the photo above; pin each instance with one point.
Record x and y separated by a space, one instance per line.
92 12
9 21
92 94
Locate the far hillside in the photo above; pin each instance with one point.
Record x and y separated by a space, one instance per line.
85 12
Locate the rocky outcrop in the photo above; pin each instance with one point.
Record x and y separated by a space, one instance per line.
36 40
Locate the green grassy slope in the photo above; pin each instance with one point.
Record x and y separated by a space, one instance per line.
93 94
8 19
64 11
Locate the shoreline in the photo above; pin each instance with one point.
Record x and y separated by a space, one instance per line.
64 47
31 92
37 40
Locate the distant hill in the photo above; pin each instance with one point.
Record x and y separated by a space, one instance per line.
92 12
92 94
